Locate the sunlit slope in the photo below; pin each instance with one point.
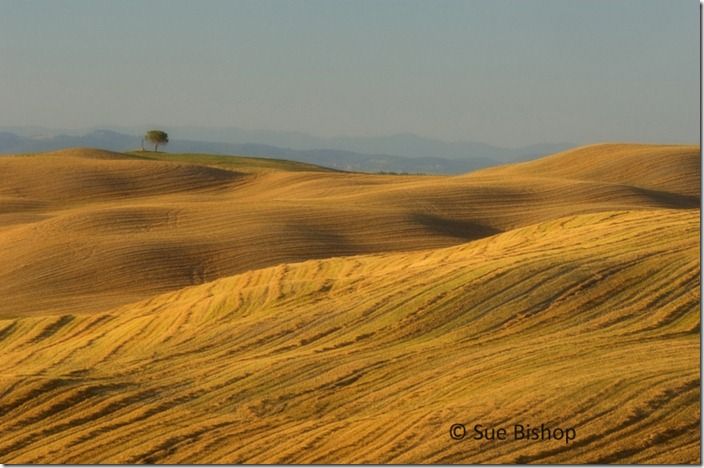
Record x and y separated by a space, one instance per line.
590 321
84 230
666 168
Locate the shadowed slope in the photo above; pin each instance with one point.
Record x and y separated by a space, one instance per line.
586 321
92 229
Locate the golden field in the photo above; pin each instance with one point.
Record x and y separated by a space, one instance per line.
185 310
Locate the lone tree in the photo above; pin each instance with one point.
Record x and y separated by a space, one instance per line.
157 137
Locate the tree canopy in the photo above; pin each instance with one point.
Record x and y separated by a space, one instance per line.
156 137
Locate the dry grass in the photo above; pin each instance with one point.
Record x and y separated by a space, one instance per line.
505 296
667 168
93 229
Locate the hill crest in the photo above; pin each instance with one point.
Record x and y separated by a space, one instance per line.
669 168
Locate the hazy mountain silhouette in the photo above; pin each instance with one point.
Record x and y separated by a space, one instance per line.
396 153
404 144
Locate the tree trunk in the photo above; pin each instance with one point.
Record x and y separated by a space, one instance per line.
156 147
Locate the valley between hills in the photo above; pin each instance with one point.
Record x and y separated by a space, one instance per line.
159 308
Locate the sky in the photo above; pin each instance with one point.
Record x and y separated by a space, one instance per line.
503 72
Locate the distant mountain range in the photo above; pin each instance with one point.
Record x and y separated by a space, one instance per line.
395 153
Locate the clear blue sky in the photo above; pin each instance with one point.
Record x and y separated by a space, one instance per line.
507 72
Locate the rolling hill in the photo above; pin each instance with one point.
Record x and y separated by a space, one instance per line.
95 229
370 359
667 168
184 310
